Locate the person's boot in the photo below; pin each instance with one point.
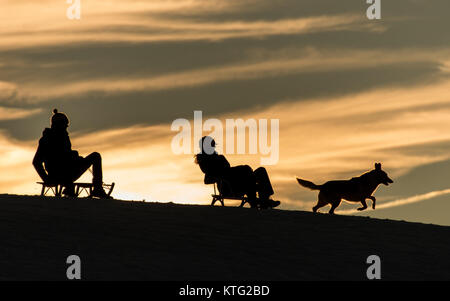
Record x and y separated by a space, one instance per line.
252 204
274 203
69 191
269 203
264 203
99 192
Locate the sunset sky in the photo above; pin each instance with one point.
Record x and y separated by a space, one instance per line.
348 92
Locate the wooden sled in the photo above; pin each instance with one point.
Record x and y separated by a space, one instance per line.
87 188
217 196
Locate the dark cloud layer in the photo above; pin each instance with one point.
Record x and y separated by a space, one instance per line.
411 25
99 111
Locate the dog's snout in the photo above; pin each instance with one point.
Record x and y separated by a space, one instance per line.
388 181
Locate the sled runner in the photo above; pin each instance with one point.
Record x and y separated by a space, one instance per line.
57 189
217 196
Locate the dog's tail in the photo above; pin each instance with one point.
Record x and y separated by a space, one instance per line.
309 184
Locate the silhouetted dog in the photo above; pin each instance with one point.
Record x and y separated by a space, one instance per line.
355 190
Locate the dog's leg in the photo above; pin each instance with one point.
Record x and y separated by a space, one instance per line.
334 205
322 201
374 200
364 207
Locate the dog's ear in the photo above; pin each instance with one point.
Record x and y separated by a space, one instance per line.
378 166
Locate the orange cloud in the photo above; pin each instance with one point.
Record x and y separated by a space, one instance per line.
319 140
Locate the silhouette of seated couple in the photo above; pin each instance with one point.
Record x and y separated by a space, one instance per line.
235 181
57 163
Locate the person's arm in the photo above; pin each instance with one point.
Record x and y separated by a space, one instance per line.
224 162
38 162
74 154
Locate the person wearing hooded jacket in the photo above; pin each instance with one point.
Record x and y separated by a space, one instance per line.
57 163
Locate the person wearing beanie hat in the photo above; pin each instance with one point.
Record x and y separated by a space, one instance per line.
57 163
59 120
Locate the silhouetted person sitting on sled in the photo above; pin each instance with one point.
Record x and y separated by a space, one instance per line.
234 181
57 163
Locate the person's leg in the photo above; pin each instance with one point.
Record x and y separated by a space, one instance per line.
264 188
243 181
67 175
224 186
97 171
62 175
83 164
263 184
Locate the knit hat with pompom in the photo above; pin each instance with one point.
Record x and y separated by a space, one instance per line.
59 119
